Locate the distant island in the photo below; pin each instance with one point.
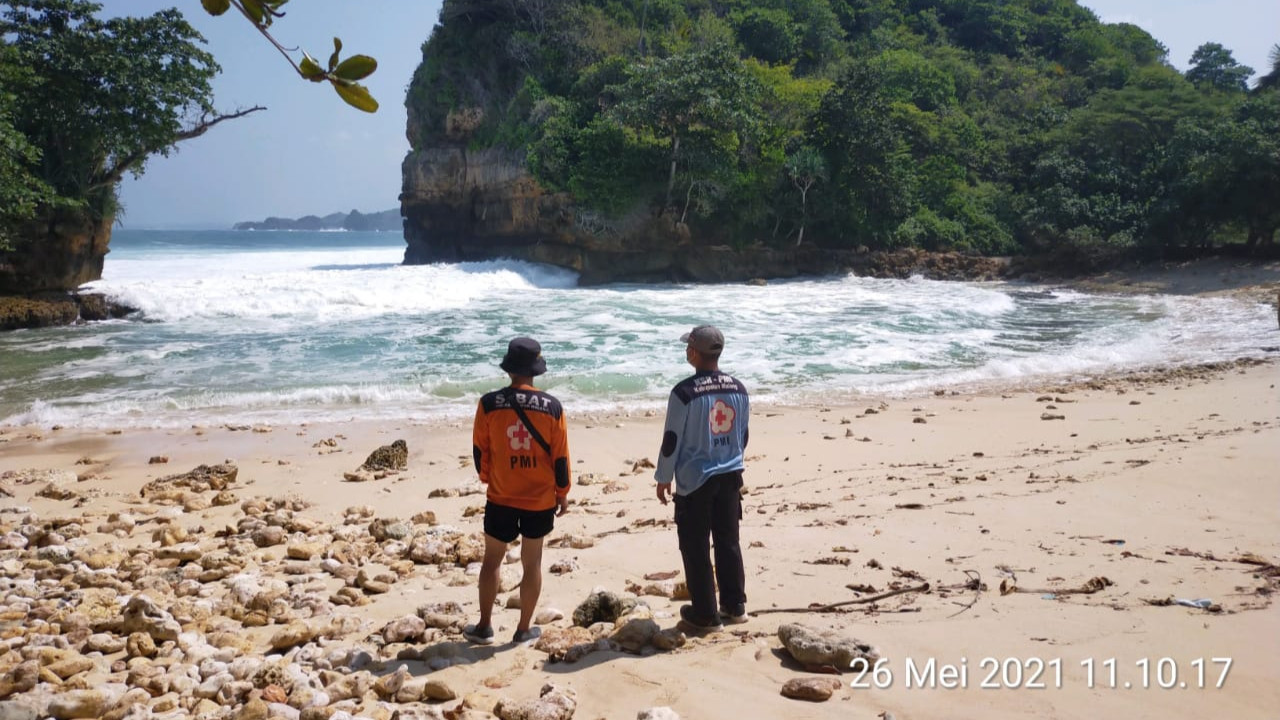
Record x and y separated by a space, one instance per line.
386 220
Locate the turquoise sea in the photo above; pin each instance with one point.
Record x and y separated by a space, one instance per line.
263 327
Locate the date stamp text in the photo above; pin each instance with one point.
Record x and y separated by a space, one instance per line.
1034 673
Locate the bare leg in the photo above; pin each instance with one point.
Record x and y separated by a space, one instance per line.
531 584
490 573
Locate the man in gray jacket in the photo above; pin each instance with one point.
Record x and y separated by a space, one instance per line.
703 445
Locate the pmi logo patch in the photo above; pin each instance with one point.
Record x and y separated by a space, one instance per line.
520 437
721 418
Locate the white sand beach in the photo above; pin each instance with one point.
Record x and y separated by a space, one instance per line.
1161 485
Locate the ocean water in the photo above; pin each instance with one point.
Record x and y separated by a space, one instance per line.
274 327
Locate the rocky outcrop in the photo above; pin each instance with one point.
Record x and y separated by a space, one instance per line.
462 205
56 308
61 253
470 205
54 258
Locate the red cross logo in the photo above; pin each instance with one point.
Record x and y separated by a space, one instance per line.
721 418
519 436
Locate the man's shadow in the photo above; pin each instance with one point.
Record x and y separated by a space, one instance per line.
418 659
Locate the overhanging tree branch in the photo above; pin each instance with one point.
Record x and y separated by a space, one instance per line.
343 75
115 173
261 25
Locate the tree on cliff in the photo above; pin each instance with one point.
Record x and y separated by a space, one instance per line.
21 192
88 100
1213 66
804 168
704 89
1270 81
972 125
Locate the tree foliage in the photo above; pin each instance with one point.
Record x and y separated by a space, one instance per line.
988 126
701 98
343 75
21 189
1213 66
1270 81
87 100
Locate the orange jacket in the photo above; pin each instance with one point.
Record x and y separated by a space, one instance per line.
519 473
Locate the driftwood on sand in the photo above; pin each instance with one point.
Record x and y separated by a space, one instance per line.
923 587
975 583
1094 585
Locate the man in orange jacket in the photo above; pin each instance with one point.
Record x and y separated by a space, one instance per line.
521 447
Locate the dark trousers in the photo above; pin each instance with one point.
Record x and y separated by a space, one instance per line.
712 512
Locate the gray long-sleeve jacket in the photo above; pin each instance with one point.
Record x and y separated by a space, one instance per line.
706 430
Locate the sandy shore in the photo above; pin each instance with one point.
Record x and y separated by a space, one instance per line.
1165 485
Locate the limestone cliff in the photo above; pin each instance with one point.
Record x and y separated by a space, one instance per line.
467 205
39 277
462 204
61 253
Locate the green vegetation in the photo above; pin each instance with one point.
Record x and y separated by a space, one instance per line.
84 101
343 75
978 125
21 189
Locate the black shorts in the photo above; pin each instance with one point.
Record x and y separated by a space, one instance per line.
505 523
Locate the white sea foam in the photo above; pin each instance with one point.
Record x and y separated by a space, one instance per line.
314 287
275 328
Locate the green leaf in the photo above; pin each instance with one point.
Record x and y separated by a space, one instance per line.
333 59
357 96
256 12
216 7
311 69
356 67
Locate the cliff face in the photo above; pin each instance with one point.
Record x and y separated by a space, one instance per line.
60 254
37 280
453 198
466 205
461 204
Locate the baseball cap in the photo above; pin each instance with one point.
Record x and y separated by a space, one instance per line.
704 339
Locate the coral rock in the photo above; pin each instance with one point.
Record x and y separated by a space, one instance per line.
812 647
438 690
388 457
404 629
292 635
635 635
602 606
814 689
141 614
554 703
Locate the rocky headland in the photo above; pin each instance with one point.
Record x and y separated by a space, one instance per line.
469 205
355 221
38 281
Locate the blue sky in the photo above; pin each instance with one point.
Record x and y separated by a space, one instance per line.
308 153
